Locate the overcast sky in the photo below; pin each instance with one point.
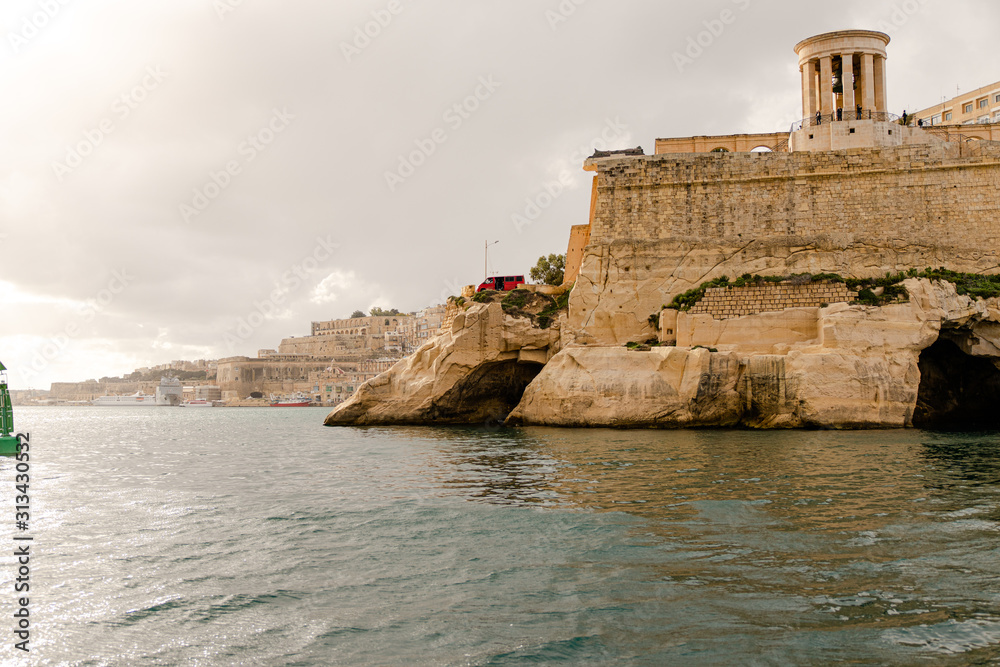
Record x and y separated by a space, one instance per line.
170 168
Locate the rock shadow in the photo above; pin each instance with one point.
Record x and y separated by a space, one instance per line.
957 391
487 395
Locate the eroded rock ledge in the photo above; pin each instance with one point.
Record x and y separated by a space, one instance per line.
474 372
843 366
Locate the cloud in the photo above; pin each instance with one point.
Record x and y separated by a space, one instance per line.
221 79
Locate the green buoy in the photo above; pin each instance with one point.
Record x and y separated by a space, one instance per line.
8 443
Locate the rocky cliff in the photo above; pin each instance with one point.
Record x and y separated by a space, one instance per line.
930 359
475 371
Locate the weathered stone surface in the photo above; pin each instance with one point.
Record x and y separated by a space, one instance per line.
663 224
838 367
622 283
474 371
613 386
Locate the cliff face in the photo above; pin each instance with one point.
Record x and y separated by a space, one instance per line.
664 224
473 372
929 360
864 367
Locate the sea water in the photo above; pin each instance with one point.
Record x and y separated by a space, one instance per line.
171 536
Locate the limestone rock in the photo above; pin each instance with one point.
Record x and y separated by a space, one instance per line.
605 386
622 283
841 366
844 366
474 371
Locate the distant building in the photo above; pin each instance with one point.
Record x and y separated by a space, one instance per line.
358 326
979 106
428 323
335 385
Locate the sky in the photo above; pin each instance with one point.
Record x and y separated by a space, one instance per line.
188 179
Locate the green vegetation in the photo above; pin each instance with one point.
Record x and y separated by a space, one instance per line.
485 296
356 314
378 312
549 270
561 302
515 299
457 300
871 291
688 299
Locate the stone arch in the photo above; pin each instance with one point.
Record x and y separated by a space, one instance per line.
486 395
720 149
762 149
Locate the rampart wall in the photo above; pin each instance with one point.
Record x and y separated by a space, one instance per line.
663 224
908 193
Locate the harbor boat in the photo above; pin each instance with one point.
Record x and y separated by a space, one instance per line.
8 442
138 398
295 401
168 393
198 403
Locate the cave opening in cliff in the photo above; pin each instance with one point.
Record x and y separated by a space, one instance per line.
488 394
957 391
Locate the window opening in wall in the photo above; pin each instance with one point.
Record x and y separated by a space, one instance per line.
948 116
890 132
852 130
968 108
983 103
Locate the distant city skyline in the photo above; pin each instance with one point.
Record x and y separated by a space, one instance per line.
171 170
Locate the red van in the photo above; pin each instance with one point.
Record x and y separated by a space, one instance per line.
501 283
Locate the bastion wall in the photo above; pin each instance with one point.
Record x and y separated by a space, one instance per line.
888 194
663 224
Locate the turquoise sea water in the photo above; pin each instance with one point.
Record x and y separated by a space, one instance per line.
257 536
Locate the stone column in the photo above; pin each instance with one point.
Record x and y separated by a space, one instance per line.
880 102
826 85
816 87
848 79
809 89
868 82
806 89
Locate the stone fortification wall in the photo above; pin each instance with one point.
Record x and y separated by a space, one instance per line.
275 374
667 223
725 302
908 193
347 347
